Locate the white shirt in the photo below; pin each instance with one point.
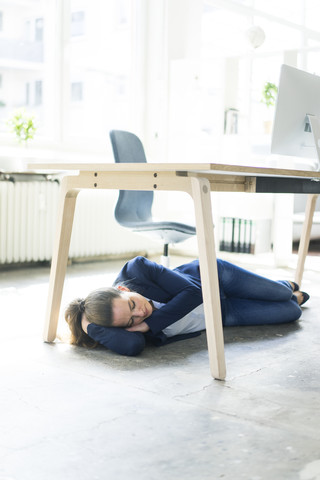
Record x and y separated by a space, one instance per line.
192 322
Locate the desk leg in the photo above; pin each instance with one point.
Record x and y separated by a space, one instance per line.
59 258
209 275
305 236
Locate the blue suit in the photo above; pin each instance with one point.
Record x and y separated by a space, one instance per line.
179 289
246 299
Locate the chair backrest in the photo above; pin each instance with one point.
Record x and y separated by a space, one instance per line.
127 147
133 206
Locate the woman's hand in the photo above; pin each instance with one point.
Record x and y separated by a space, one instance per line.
141 327
84 323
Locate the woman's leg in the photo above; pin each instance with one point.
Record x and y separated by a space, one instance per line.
259 312
236 282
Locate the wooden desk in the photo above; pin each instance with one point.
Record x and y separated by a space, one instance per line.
197 179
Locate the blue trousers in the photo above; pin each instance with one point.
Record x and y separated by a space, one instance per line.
250 299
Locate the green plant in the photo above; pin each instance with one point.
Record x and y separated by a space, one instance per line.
269 94
23 126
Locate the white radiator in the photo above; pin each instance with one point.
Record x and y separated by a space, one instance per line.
27 210
28 219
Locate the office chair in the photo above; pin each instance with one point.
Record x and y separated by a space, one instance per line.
133 208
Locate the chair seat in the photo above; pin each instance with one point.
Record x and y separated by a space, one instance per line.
169 232
167 235
160 225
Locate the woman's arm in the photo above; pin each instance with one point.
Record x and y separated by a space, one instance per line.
179 292
116 339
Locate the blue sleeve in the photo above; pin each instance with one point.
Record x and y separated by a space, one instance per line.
179 292
117 339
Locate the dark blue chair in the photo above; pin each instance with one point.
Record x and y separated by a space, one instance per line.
134 208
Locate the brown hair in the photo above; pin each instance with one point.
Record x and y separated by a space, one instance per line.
97 307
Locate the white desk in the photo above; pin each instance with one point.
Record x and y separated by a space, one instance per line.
197 179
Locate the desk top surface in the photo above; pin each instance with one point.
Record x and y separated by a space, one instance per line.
187 168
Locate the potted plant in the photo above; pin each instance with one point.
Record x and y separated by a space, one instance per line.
269 96
23 126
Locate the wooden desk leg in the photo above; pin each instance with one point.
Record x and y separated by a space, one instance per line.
66 209
209 275
305 237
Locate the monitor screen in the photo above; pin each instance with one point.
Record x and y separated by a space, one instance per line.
298 96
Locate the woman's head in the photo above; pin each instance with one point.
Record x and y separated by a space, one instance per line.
108 307
97 307
130 308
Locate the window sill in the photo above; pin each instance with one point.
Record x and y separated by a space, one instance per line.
16 158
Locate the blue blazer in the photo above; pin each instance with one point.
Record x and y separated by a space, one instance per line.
179 289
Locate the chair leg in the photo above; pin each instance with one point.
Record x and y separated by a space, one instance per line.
165 259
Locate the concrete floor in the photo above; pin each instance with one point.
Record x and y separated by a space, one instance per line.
74 414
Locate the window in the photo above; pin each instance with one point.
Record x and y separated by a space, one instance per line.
22 58
99 74
244 69
27 101
77 85
223 72
38 92
77 24
76 91
121 11
79 67
39 30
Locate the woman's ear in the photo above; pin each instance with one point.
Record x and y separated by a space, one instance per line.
122 288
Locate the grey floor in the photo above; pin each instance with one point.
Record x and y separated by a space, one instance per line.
74 414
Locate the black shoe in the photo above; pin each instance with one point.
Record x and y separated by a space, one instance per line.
296 288
305 298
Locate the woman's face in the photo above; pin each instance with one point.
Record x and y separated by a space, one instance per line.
130 309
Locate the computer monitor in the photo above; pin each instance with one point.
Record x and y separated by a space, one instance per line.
296 126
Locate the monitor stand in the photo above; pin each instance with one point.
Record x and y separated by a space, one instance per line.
315 128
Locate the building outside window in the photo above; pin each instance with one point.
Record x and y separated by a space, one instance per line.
77 24
38 30
27 101
38 92
76 91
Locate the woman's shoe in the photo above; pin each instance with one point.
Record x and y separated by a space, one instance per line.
305 298
296 288
293 285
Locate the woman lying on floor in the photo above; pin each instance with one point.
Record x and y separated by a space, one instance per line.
152 303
